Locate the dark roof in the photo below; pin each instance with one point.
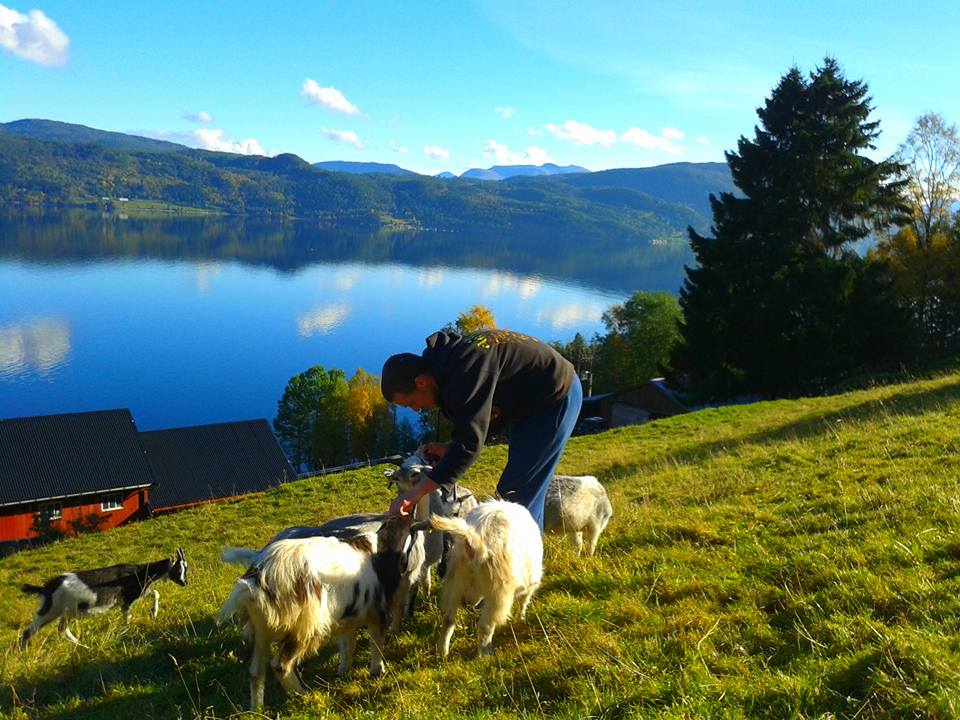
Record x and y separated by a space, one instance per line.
206 462
52 456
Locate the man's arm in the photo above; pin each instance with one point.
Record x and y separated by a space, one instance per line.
472 402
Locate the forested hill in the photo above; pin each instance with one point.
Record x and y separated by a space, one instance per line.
74 165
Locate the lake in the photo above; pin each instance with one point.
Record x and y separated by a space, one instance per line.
200 320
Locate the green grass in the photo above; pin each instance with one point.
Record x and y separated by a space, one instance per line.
148 209
778 560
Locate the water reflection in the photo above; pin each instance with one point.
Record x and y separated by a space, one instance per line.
322 320
571 316
34 345
610 264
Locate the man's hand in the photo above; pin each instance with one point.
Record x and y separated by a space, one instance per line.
405 503
437 450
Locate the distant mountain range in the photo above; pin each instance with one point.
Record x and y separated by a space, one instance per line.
502 172
53 163
363 168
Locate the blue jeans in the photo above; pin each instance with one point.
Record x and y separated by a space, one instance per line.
535 446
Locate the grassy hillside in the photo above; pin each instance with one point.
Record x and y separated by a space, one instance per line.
785 559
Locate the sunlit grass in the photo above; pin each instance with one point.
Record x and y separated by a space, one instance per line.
785 559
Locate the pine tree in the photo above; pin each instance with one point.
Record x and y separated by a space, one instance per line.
779 303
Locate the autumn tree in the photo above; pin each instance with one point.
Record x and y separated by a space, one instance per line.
370 418
778 302
924 255
931 156
473 319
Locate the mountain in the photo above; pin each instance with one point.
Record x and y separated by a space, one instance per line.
55 131
86 165
445 175
684 183
363 168
502 172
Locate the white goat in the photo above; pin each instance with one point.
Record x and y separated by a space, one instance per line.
577 505
457 503
300 591
497 556
75 594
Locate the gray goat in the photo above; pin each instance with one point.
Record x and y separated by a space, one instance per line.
577 505
457 503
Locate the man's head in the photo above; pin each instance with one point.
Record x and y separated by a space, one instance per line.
407 381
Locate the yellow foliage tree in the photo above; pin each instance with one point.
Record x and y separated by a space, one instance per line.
478 317
369 417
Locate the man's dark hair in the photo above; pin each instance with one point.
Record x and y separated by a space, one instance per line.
399 372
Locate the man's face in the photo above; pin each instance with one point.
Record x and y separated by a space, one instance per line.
424 396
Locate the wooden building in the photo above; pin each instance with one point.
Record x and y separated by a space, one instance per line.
205 463
94 470
633 406
57 471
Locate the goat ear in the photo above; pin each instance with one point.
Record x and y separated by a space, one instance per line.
421 526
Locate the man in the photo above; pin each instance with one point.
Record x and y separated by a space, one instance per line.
484 383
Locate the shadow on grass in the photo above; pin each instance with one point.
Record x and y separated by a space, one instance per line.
204 674
814 424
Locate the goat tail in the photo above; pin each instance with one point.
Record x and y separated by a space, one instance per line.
461 529
245 557
31 589
236 604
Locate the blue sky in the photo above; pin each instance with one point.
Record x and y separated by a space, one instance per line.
449 86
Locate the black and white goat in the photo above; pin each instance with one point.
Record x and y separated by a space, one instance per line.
456 503
497 557
299 591
75 594
577 506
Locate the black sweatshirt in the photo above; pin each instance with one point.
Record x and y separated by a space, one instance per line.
489 381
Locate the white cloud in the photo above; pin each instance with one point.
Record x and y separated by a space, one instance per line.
646 140
397 147
703 140
581 134
435 152
533 132
201 117
505 112
322 320
347 137
33 37
214 139
533 155
328 97
671 133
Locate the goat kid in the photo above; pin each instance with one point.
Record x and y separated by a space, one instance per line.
457 503
75 594
497 557
301 591
577 505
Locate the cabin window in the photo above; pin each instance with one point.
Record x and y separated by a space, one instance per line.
50 511
112 502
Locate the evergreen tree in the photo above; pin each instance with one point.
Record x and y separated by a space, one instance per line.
779 302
